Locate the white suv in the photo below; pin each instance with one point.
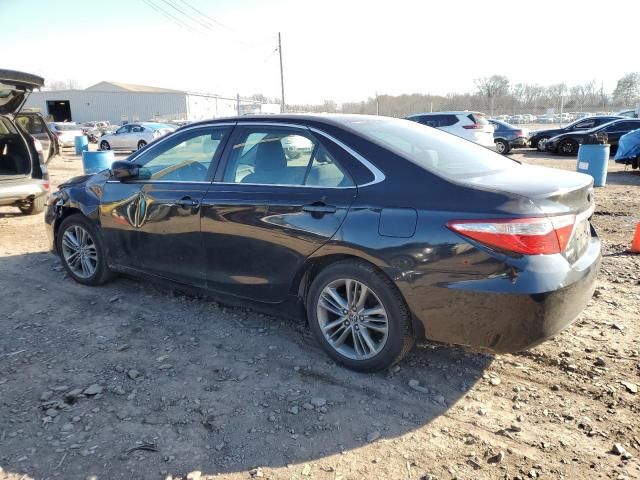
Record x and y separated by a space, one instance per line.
471 126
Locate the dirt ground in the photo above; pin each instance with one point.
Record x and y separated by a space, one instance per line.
135 381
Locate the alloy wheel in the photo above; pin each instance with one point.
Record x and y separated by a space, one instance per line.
352 319
79 251
500 147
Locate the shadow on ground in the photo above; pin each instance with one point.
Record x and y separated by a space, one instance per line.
203 386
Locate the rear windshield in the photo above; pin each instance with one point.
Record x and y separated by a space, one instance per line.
434 150
478 118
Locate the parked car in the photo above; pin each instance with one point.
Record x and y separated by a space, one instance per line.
134 136
629 149
472 126
386 231
545 119
516 119
66 132
507 137
24 179
538 137
628 113
569 142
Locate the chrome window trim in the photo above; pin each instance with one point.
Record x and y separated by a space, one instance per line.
288 185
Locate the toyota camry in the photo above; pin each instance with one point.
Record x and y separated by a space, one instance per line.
379 231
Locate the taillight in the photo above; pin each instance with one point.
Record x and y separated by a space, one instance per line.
519 133
47 185
528 236
473 126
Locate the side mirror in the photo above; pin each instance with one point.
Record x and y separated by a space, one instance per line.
123 171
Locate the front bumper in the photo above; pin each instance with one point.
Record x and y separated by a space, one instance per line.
510 313
50 216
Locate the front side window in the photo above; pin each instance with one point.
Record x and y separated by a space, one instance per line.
123 129
275 156
186 157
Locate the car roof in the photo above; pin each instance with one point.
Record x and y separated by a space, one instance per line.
448 112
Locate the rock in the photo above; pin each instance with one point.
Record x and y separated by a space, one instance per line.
600 362
630 386
52 412
94 389
618 449
307 406
413 383
46 396
220 446
318 402
496 458
115 298
482 412
293 410
373 436
306 470
439 399
133 374
533 473
165 366
495 381
195 475
67 427
256 473
555 387
119 390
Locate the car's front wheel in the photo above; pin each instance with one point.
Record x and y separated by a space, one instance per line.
359 317
104 145
540 144
568 147
502 147
82 252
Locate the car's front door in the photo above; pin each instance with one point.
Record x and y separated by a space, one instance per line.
119 139
280 196
153 224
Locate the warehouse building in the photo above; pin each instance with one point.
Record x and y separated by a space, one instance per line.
123 102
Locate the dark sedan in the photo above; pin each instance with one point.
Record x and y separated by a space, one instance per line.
507 137
378 231
537 138
569 143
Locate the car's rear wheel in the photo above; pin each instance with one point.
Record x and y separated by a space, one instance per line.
568 147
502 147
540 144
34 206
359 317
104 145
82 252
141 144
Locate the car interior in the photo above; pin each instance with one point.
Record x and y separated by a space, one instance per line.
14 156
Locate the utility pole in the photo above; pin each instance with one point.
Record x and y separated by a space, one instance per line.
377 104
281 74
238 103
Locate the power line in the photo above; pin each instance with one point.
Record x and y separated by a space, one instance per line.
168 15
211 20
193 19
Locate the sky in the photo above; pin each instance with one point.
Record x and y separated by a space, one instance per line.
341 50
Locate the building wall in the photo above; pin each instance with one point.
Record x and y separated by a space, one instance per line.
88 105
202 107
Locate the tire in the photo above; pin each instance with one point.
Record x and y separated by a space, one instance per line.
104 145
35 206
385 344
568 147
141 144
94 250
541 140
503 147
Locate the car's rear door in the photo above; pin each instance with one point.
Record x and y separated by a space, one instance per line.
278 196
153 225
34 124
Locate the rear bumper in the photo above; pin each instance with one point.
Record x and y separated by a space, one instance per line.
12 193
519 142
509 313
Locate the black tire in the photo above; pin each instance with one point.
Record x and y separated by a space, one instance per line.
35 206
141 144
104 145
399 338
568 147
539 143
102 274
502 146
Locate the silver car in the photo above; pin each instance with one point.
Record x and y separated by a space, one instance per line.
134 136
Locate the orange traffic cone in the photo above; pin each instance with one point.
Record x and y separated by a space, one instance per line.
635 243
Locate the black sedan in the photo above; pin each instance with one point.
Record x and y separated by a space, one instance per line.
569 143
507 137
537 138
377 230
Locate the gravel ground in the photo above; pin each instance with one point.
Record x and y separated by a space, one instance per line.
135 381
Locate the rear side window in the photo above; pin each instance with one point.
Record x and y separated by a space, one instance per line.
448 120
438 152
584 125
478 119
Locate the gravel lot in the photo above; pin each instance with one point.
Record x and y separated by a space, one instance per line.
136 381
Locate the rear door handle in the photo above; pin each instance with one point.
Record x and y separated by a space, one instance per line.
187 202
319 207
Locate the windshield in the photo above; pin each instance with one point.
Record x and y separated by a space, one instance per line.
434 150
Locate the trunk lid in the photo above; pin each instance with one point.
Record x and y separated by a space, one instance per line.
14 88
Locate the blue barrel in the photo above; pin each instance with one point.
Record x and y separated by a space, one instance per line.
82 144
593 160
93 162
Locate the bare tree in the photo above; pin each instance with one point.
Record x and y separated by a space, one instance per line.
628 89
492 87
61 85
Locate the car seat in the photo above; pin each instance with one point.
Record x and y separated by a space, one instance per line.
270 164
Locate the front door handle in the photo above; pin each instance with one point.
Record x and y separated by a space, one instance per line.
187 202
319 207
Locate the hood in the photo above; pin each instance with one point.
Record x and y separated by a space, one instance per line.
14 87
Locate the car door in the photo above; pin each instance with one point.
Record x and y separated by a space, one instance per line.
118 139
615 131
153 225
34 124
279 196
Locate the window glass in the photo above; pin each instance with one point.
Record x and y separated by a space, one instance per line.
136 129
186 157
448 120
270 157
31 124
433 150
583 125
325 171
123 129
